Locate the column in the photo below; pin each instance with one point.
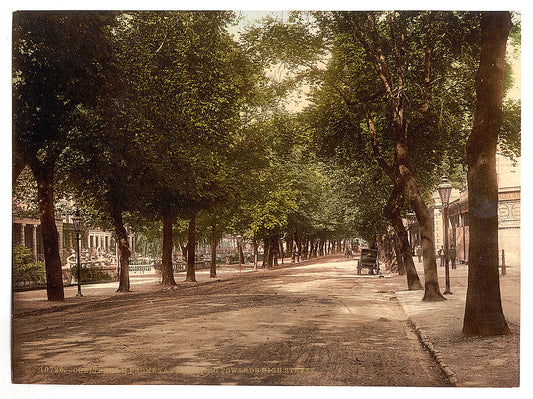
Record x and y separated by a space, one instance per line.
59 225
22 237
34 242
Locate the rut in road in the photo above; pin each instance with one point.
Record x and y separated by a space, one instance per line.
314 324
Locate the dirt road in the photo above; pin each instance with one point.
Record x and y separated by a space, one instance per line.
312 324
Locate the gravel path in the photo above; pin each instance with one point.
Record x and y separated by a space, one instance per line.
312 324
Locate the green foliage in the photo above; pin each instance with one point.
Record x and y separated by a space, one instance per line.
21 256
59 66
25 271
511 129
185 125
25 200
348 88
90 274
154 112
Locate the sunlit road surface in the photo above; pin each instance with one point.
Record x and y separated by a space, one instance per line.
309 324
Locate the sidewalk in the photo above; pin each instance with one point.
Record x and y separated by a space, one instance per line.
477 361
28 302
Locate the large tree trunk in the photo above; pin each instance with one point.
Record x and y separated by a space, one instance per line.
399 255
124 251
393 212
213 270
256 252
431 280
413 281
50 236
265 253
191 250
483 310
270 257
241 253
167 269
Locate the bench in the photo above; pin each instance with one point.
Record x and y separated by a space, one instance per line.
369 260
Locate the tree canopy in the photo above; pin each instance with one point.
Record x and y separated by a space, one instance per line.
151 119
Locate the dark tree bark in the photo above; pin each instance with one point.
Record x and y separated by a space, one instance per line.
167 269
483 310
191 250
241 253
45 189
266 252
123 249
214 242
393 212
431 281
256 252
399 255
270 257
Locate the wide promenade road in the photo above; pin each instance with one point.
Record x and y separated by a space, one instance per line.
316 323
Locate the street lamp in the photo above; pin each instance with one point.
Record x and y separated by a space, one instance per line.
76 221
445 189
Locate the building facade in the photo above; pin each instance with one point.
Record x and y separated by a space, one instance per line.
509 205
96 242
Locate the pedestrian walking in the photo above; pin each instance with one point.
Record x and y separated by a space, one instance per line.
418 252
348 253
440 253
453 256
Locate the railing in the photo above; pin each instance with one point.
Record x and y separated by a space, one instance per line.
141 269
176 267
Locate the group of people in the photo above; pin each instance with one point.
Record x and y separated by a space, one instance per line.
350 249
452 253
87 256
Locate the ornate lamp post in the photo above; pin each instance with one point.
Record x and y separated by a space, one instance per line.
445 189
76 221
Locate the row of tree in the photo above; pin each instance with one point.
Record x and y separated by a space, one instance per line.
399 90
157 119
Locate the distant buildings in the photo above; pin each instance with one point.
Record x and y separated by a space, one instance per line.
27 232
508 216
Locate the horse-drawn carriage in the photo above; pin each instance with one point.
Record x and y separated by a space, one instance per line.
369 260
